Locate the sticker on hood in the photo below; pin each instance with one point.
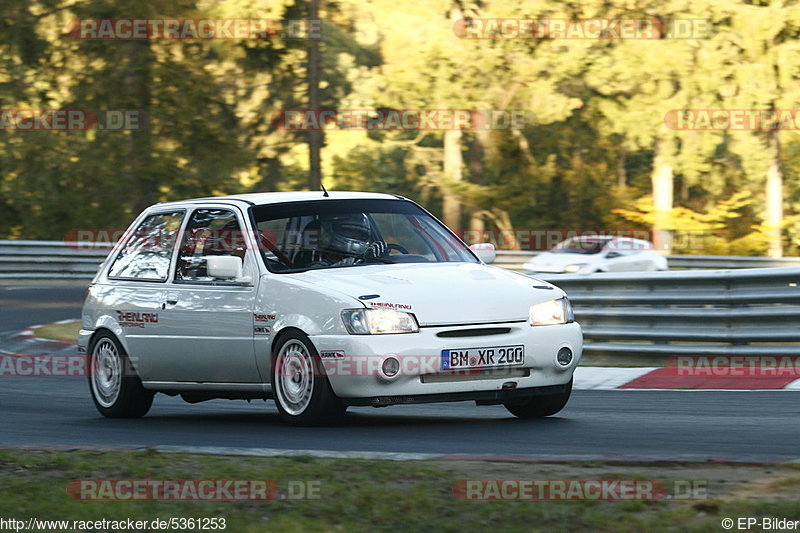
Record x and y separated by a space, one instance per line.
389 305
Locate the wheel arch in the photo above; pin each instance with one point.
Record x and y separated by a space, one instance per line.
107 322
97 332
281 335
133 360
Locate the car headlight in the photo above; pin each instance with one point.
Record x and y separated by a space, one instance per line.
551 312
378 321
574 268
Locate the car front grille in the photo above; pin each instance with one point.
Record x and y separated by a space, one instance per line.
475 332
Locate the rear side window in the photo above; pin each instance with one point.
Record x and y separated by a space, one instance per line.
147 253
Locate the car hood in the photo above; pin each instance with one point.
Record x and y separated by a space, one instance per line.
440 293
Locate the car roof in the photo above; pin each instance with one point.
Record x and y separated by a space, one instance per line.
264 198
599 238
604 238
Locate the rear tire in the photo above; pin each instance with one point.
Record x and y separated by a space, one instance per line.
116 390
540 406
302 392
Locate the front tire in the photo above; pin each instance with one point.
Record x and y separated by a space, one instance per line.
116 390
302 392
540 406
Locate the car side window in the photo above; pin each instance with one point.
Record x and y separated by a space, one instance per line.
147 252
209 232
624 248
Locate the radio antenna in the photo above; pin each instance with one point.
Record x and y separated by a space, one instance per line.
324 190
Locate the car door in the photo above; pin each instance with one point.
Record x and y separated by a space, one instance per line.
624 261
641 261
206 332
619 256
135 281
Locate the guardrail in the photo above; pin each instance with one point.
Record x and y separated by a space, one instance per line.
752 312
50 259
729 261
514 260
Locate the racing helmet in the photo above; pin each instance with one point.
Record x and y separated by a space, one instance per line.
346 234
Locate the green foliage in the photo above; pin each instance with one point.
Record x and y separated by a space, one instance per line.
709 232
582 160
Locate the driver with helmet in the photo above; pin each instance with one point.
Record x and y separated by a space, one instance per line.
346 239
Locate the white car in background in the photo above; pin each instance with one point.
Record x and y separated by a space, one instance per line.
589 254
319 302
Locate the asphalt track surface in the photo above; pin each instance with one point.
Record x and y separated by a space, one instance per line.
701 425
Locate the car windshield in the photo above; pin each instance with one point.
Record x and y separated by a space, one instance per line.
320 234
580 246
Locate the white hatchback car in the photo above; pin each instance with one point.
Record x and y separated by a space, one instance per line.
319 302
589 254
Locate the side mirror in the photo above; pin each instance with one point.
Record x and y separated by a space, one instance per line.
224 267
485 251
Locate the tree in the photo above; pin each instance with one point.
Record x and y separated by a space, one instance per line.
638 83
763 74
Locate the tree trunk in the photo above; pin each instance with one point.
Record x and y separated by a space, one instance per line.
453 173
773 216
662 180
315 136
477 169
140 169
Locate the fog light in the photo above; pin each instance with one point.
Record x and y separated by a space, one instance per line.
564 356
390 367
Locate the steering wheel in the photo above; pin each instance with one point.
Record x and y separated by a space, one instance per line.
397 247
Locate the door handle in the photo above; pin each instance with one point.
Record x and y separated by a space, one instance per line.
171 298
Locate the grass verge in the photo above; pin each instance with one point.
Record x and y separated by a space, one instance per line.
386 496
64 332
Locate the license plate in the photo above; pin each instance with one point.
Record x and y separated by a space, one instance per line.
465 358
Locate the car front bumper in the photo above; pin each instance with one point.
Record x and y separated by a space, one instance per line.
84 335
490 397
353 364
